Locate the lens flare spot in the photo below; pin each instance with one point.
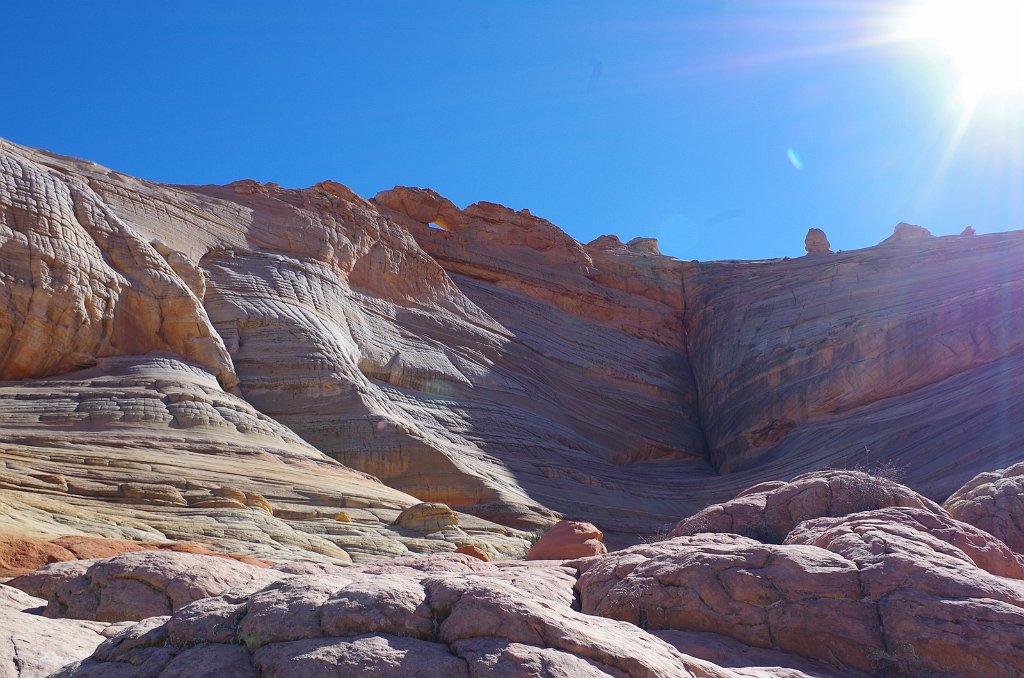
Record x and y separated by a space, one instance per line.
984 38
794 159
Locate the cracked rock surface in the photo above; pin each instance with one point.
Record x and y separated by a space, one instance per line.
993 501
410 621
891 591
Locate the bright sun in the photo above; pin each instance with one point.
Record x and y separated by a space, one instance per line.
984 39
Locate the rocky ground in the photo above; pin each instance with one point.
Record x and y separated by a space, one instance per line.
247 430
836 573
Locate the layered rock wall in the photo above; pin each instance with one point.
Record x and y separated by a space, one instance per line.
483 359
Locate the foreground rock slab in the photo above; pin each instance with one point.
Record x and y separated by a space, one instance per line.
32 646
134 586
902 590
389 624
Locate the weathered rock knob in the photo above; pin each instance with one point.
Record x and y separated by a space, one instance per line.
817 242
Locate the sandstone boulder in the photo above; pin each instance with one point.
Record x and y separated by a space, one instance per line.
606 242
474 551
568 539
768 512
905 232
994 502
643 246
427 517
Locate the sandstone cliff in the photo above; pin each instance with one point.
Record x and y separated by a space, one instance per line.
281 432
476 357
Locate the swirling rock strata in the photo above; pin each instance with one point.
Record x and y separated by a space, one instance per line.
480 358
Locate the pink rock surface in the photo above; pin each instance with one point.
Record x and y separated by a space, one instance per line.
900 589
137 585
769 511
872 533
994 502
32 646
754 662
390 625
802 600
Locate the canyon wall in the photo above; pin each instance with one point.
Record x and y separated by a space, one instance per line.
337 355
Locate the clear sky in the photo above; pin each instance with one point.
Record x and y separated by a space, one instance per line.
724 129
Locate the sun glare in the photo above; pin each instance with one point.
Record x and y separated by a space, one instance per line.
983 38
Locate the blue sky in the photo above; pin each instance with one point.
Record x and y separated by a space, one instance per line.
685 121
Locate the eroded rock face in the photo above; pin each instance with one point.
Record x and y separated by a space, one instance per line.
994 502
568 539
769 511
151 448
80 284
